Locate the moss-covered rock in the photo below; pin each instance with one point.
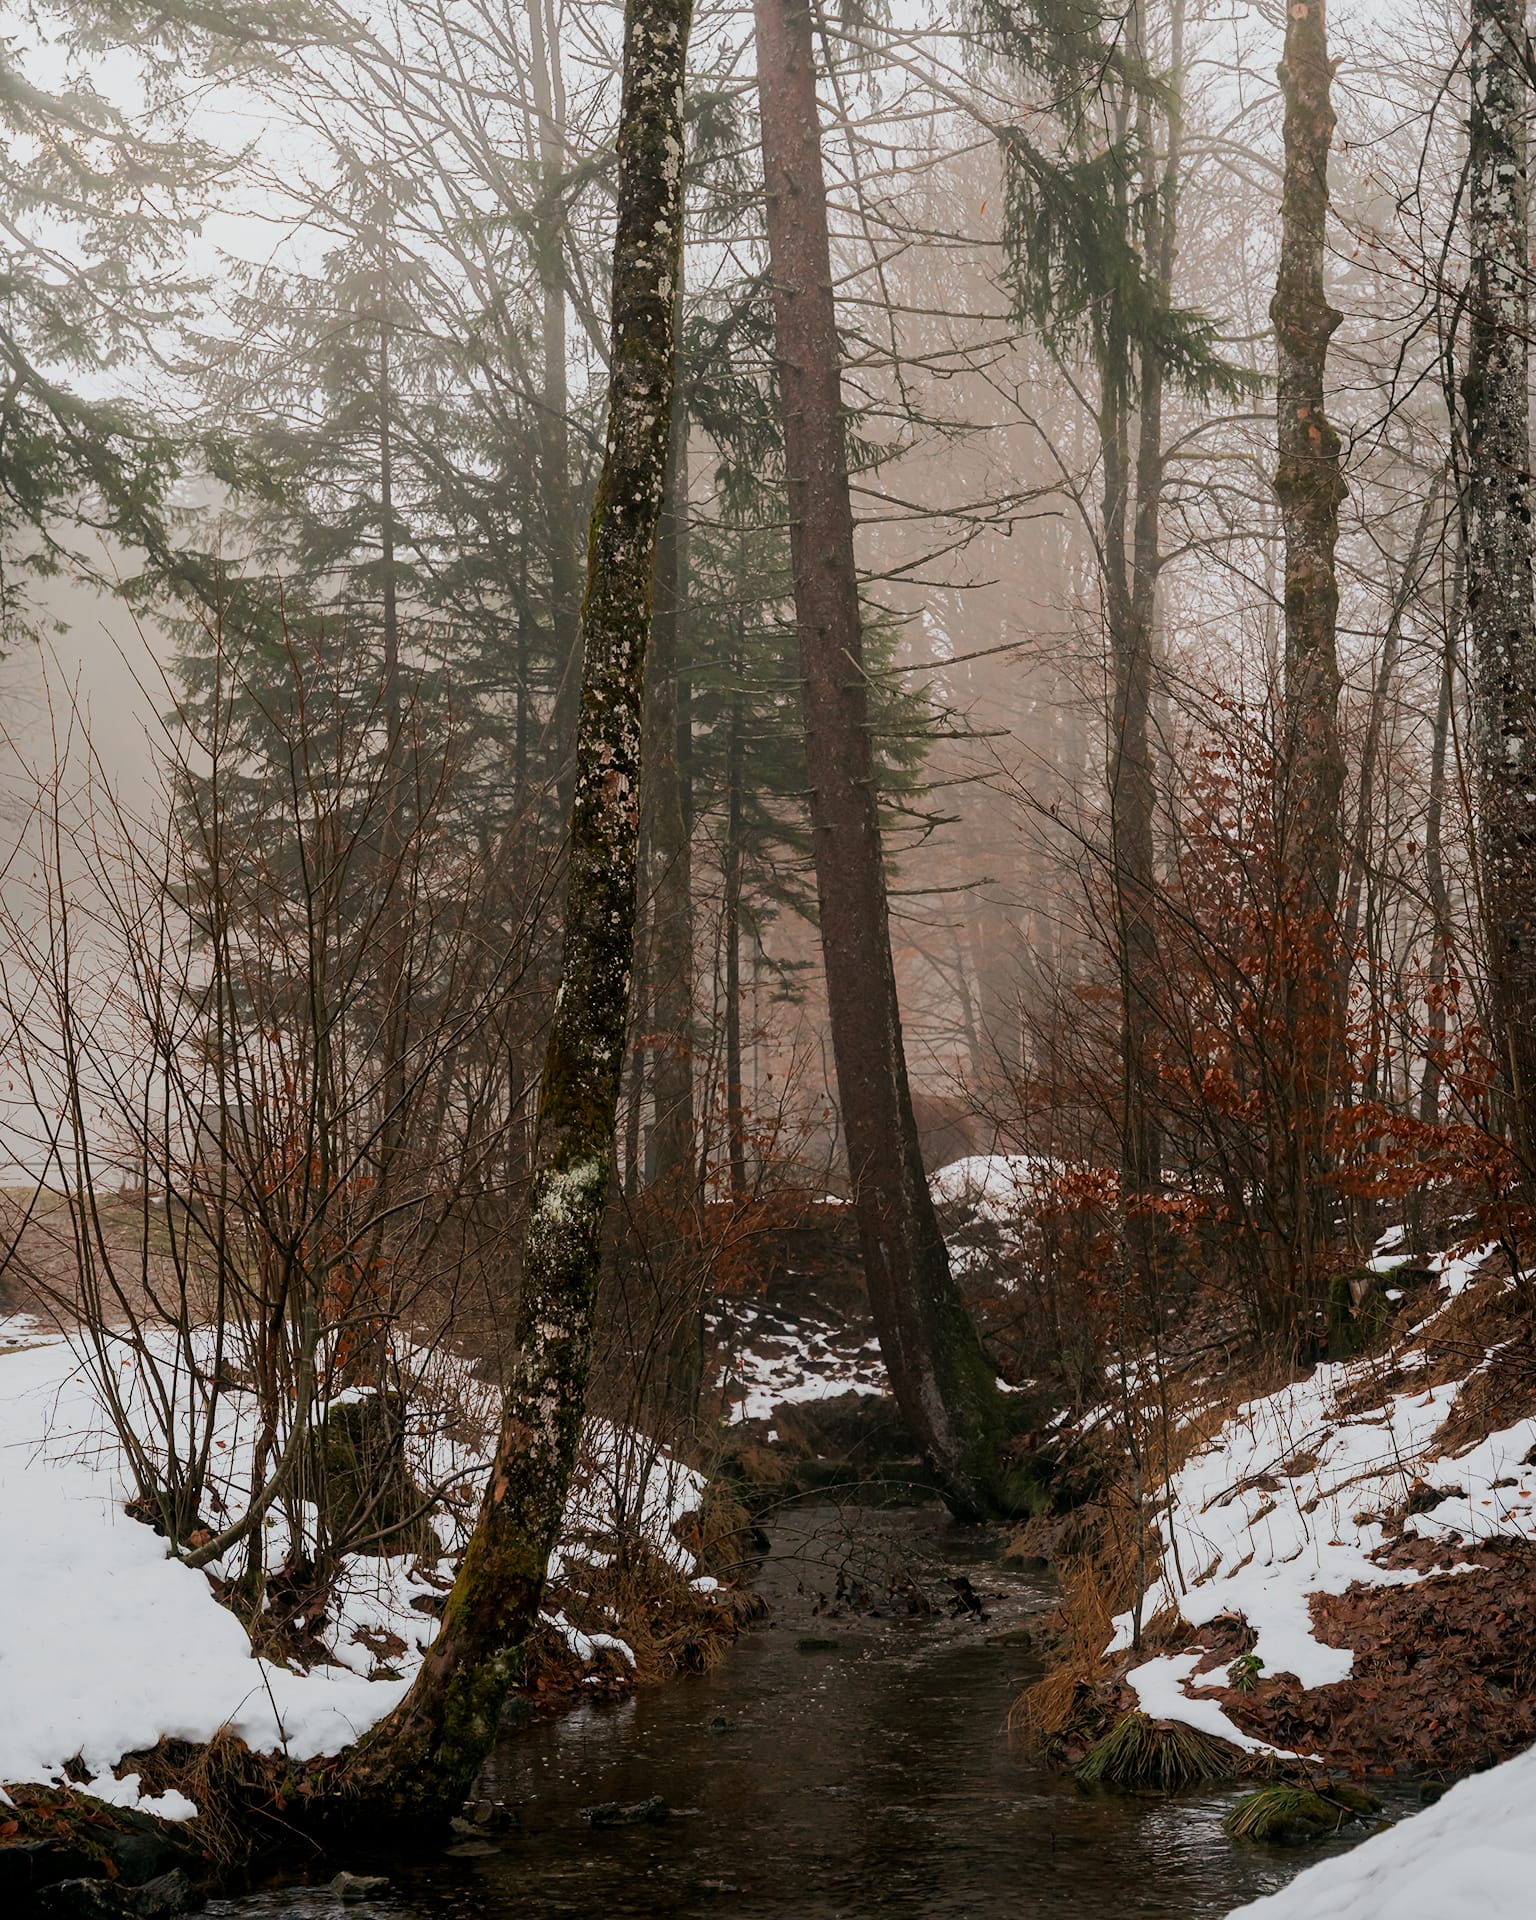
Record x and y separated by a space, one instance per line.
363 1486
1293 1815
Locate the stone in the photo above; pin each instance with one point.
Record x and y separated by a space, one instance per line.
167 1893
28 1865
357 1886
611 1813
158 1899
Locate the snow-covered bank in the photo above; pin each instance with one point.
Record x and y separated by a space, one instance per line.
1471 1856
107 1645
1328 1555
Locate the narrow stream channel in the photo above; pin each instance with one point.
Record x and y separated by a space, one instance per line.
849 1759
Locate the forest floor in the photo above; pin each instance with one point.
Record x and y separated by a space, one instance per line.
1337 1573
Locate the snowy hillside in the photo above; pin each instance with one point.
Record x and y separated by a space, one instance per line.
107 1644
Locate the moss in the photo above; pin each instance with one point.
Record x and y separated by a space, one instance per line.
1164 1756
366 1492
1294 1814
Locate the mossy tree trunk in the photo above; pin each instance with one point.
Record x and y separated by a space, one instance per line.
418 1764
1501 636
943 1381
1309 484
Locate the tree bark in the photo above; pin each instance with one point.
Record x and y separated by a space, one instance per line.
1434 876
418 1764
559 509
674 1180
943 1381
735 855
1309 484
1501 635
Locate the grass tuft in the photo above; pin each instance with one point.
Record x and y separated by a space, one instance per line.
1292 1814
1140 1753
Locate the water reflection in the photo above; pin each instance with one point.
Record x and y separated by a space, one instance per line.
873 1777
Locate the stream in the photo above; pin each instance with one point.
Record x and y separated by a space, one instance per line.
850 1758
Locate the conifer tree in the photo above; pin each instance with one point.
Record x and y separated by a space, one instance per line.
1090 228
1309 483
943 1379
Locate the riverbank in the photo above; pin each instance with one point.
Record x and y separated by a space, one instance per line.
119 1664
1330 1577
1339 1569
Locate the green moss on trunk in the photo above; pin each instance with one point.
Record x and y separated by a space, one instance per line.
419 1763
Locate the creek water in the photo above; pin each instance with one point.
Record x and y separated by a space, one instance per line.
850 1759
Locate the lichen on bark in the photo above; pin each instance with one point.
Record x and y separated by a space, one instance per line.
419 1763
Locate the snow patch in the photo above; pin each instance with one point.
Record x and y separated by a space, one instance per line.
1471 1856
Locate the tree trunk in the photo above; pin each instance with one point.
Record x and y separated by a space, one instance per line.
1357 867
1498 517
730 934
1132 797
1309 484
559 510
674 1186
418 1764
944 1383
1132 564
1434 875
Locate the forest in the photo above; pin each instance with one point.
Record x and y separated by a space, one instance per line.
767 959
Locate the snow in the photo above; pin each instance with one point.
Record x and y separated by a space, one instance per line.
107 1644
586 1646
169 1805
1471 1856
1002 1192
798 1363
1287 1501
1457 1271
1159 1689
629 1481
1281 1506
997 1187
1498 1497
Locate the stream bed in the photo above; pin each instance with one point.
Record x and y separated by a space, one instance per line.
850 1758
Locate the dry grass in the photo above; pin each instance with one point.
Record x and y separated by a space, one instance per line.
1047 1711
1139 1754
1114 1558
